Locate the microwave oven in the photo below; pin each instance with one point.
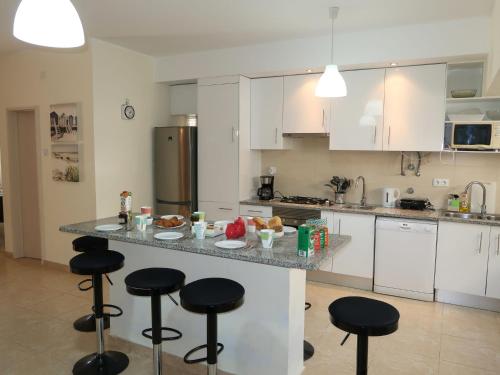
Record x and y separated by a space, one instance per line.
473 135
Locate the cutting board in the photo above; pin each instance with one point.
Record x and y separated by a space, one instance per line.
476 197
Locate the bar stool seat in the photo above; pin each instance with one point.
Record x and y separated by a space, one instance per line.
96 264
83 244
363 317
90 243
211 296
155 282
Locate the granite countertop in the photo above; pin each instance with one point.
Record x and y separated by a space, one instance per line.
431 215
283 253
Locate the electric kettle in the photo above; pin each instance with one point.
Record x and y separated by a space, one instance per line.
390 196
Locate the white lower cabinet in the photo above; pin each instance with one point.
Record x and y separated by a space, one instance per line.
355 258
256 211
493 280
219 210
462 257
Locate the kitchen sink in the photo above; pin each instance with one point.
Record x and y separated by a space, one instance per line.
360 207
472 216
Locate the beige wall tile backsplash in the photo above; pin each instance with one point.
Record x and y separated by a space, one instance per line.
305 169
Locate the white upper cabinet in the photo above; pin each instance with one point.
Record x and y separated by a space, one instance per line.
266 116
414 108
358 118
303 112
183 99
218 125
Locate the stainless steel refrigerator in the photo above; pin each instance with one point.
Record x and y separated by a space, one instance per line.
175 153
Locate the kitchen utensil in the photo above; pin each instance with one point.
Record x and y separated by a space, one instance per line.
276 235
168 235
230 244
465 93
108 227
414 203
140 222
390 196
146 210
266 191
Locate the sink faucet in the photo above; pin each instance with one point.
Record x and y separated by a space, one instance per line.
467 188
363 194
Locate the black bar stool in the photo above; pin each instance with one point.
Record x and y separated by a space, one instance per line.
155 282
363 317
83 244
96 264
211 296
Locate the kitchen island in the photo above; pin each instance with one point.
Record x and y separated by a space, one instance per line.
264 336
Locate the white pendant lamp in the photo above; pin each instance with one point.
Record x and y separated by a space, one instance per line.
331 84
49 23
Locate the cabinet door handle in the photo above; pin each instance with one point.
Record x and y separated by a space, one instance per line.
275 136
340 222
225 209
323 119
258 211
375 136
498 244
389 138
480 243
232 134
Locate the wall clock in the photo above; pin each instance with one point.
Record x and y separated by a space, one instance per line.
128 111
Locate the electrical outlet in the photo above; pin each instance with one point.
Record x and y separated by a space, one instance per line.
440 182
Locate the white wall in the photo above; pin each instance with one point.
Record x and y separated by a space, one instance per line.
37 79
407 43
123 149
493 84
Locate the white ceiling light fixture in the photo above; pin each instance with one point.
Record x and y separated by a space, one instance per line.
331 84
49 23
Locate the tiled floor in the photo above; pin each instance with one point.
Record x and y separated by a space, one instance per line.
38 305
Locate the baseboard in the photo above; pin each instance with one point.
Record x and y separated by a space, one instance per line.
7 254
428 297
342 280
56 266
468 300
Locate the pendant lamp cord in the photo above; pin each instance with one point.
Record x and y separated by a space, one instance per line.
331 50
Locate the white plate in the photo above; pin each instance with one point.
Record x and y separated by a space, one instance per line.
168 235
180 217
289 230
178 226
222 224
108 227
230 244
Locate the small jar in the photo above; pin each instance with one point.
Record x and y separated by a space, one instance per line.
122 218
250 225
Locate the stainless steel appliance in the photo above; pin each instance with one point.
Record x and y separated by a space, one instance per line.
484 135
294 216
175 163
266 191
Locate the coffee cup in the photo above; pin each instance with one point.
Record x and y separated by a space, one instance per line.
199 229
267 238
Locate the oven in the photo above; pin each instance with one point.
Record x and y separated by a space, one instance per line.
294 217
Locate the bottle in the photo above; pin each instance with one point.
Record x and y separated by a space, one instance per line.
464 202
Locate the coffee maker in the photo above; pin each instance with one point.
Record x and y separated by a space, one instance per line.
266 191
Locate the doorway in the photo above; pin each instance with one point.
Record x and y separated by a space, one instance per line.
22 194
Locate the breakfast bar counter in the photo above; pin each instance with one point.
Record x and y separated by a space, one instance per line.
264 336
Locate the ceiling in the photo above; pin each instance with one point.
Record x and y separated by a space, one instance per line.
168 27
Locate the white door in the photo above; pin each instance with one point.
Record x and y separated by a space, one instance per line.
493 281
355 258
358 118
218 143
266 117
462 257
303 112
414 108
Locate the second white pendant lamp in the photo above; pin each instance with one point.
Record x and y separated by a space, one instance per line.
49 23
331 84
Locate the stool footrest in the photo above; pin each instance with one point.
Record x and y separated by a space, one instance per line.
176 337
111 315
84 289
220 348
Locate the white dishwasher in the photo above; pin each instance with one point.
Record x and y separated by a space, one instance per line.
405 258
